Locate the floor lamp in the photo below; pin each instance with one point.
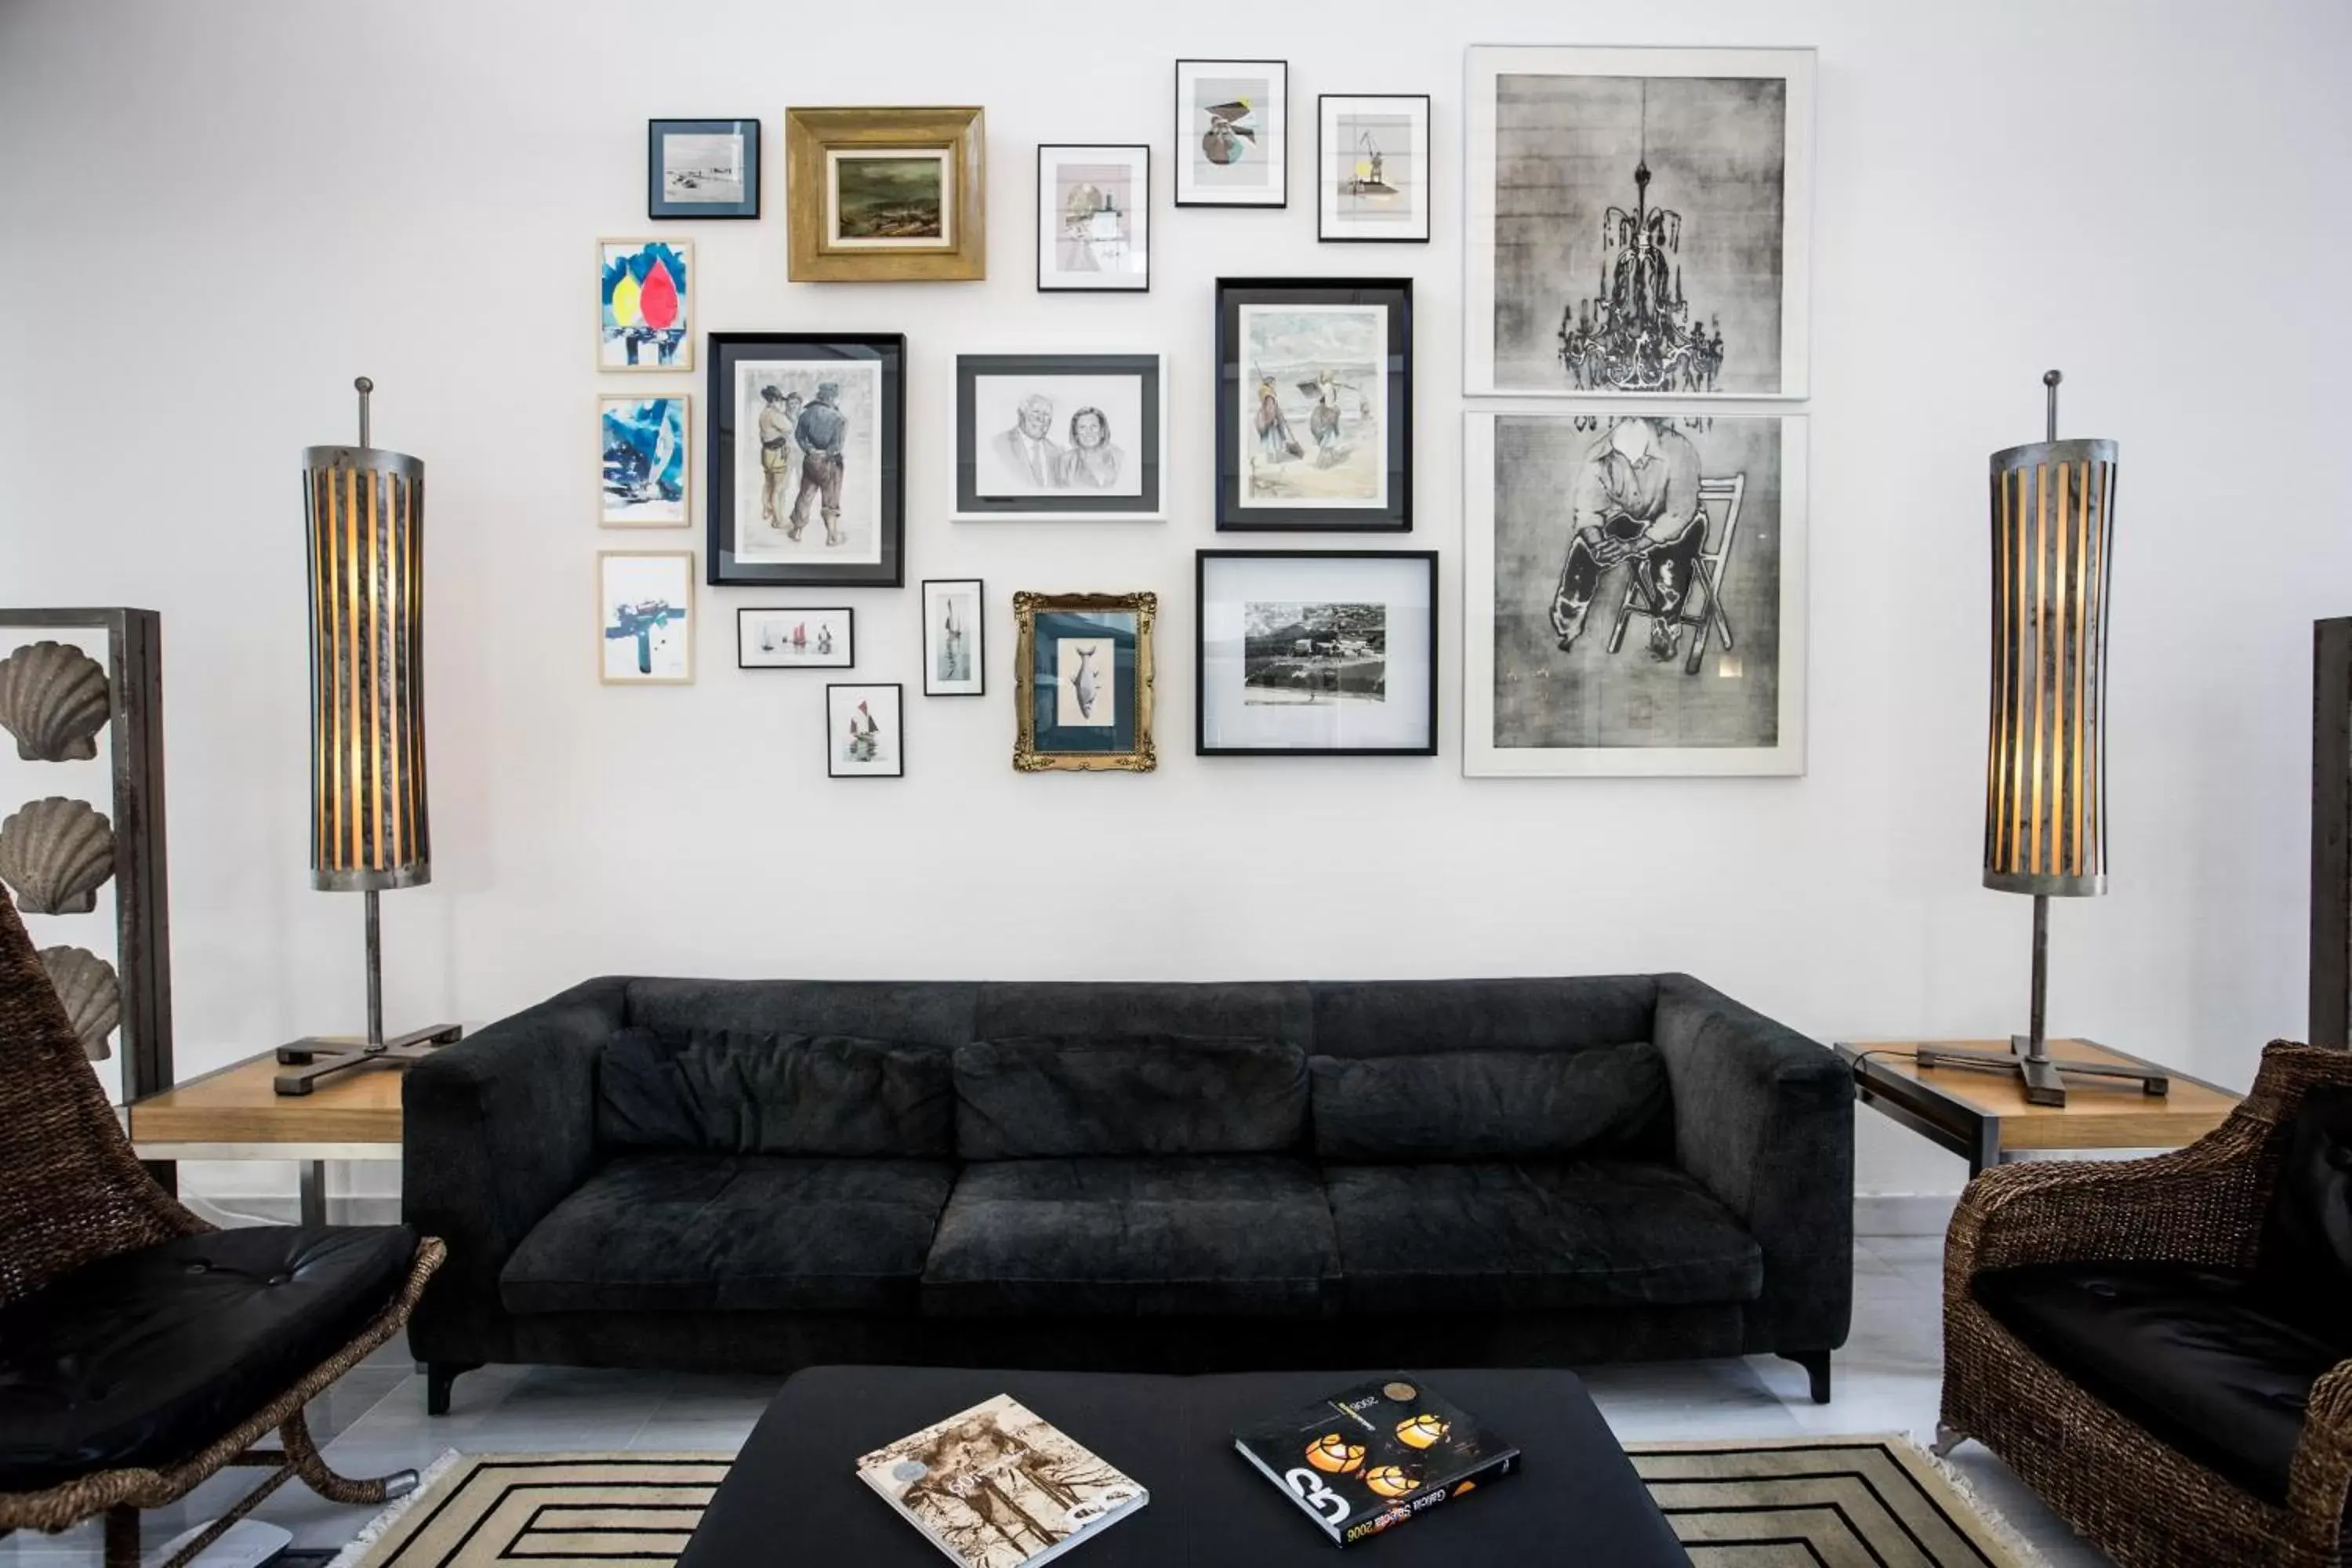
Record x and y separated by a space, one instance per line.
2046 759
369 829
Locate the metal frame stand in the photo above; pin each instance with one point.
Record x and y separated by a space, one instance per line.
322 1055
2028 1054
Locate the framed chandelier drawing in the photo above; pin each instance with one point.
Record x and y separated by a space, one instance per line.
1633 597
1637 222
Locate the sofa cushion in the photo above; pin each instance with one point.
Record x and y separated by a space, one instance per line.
1489 1105
1144 1238
748 1233
1534 1237
145 1357
2307 1246
728 1093
1406 1017
2215 1363
1154 1094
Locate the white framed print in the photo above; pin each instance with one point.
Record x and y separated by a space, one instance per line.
645 612
1372 168
646 466
1232 133
1655 624
1322 652
796 636
955 643
1052 436
1094 218
1652 237
865 733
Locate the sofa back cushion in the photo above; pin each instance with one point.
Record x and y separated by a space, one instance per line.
911 1012
1025 1098
1570 1103
1410 1018
2308 1242
736 1092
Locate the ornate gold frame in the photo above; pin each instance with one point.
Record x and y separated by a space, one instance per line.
1026 757
810 133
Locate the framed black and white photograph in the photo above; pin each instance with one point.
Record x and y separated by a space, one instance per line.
1232 133
865 735
1329 652
1637 222
702 168
796 636
1043 438
955 662
1634 601
807 459
1314 404
1094 218
1372 167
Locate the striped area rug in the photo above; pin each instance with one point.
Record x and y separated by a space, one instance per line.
1837 1503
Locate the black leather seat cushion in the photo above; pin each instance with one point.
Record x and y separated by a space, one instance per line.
741 1233
2214 1363
1534 1237
1244 1234
143 1358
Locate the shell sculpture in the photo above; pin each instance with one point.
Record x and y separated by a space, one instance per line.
86 983
53 699
55 854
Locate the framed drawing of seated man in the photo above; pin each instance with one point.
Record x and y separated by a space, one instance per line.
807 459
1045 437
1635 596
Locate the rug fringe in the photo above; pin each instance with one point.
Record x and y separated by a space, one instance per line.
348 1557
2007 1536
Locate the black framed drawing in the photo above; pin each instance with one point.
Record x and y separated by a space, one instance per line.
1094 218
796 636
702 168
1316 652
955 638
1372 168
807 455
1315 404
1232 133
1042 438
865 736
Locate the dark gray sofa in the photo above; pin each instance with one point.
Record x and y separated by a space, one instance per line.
766 1175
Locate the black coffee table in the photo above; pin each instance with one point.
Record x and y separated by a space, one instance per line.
793 1498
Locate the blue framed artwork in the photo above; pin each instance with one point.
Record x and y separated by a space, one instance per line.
1084 682
702 168
645 469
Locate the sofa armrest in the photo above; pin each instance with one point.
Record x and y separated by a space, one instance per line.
1764 1119
497 1130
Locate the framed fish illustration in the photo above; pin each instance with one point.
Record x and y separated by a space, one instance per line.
1083 675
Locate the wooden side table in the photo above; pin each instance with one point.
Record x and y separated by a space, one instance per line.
234 1114
1984 1116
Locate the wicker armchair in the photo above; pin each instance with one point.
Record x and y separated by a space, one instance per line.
2139 1499
79 1218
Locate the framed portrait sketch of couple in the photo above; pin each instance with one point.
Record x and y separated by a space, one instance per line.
807 454
1314 404
1056 437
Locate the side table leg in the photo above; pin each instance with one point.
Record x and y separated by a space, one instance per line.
313 1173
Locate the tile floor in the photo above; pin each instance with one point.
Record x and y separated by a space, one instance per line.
1886 1381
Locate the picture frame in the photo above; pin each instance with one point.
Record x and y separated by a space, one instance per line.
1232 133
955 637
1314 424
1097 451
886 195
646 312
702 169
1094 217
645 460
795 636
1677 182
646 617
865 730
1082 680
1372 168
1315 653
1632 644
763 432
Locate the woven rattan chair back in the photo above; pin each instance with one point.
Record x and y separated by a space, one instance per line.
70 1191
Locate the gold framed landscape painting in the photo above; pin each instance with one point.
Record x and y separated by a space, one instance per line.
886 195
1082 680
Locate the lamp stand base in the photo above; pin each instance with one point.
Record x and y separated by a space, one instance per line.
321 1056
2041 1070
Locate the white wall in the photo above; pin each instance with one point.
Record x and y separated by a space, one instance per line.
217 213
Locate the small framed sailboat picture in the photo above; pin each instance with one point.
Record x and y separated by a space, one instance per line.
864 737
796 636
955 659
1371 168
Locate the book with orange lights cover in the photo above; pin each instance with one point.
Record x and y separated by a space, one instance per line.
1373 1455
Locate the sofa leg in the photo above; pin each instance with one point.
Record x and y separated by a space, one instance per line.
1817 1366
438 1376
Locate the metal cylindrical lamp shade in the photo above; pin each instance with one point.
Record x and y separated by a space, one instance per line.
368 823
2046 766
